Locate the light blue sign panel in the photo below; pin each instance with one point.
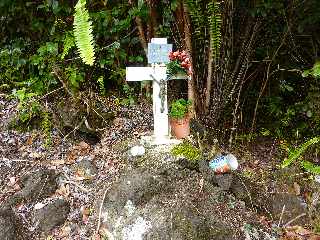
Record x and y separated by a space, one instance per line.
159 53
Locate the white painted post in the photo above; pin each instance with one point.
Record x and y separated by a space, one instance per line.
161 120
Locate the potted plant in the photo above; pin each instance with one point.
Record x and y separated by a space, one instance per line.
180 118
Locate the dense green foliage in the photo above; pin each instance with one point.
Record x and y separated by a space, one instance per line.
44 41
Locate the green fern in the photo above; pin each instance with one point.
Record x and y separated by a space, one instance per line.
68 43
46 126
197 17
102 88
299 151
314 71
83 33
215 22
310 167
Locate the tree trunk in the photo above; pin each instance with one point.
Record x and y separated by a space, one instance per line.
188 46
152 23
209 78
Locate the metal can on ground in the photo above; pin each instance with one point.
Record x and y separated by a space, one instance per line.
224 163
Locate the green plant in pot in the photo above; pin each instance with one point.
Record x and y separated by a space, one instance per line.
180 118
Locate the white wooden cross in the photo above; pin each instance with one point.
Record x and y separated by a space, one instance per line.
158 55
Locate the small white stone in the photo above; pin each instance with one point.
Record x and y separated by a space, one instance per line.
317 178
104 217
137 151
39 205
12 180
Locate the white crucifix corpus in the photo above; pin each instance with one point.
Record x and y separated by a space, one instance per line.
158 52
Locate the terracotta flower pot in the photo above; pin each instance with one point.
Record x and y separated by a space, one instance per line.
180 128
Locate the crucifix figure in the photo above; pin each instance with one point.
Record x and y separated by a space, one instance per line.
158 56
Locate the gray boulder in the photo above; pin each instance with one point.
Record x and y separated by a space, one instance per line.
10 228
51 215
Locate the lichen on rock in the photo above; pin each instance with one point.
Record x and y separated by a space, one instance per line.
161 199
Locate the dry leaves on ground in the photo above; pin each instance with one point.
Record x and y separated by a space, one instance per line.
299 233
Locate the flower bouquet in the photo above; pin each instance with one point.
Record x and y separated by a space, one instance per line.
179 63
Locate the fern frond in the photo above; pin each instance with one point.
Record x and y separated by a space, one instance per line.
83 33
197 17
68 43
215 22
310 167
299 151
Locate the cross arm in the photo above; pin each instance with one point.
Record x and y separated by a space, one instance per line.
139 73
134 74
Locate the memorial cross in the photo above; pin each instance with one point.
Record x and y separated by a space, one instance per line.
158 56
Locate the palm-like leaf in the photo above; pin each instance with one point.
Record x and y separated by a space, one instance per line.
215 22
83 33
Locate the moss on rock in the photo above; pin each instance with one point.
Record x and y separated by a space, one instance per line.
188 151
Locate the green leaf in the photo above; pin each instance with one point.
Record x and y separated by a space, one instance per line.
306 73
83 33
179 108
309 114
299 151
68 43
310 167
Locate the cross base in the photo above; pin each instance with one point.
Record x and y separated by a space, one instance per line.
164 140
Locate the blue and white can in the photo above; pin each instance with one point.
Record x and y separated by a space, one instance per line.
224 163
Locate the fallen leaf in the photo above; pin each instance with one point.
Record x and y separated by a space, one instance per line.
30 140
82 148
84 145
64 191
35 155
71 158
297 188
85 214
12 181
80 175
58 162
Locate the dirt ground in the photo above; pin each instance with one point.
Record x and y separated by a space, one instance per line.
84 169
